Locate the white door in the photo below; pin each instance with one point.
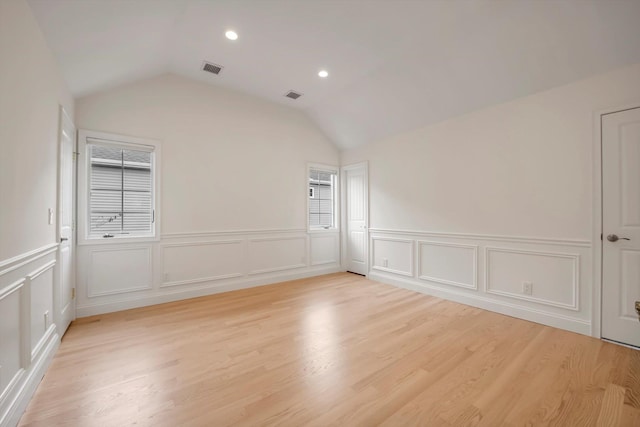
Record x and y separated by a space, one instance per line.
621 226
356 208
65 293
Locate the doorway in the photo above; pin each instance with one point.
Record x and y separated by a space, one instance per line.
621 226
355 202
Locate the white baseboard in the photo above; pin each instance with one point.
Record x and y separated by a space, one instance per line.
29 385
212 288
487 303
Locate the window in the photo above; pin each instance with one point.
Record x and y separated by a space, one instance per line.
322 202
119 187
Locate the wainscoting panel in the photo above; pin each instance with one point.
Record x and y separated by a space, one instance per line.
324 248
392 255
553 276
118 270
188 265
197 262
41 289
28 334
271 254
10 345
448 263
490 272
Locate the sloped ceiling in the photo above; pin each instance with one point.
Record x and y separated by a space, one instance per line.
394 65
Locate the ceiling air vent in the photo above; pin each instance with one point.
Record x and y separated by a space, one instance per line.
211 68
293 95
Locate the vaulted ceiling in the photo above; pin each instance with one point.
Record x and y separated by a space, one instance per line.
394 65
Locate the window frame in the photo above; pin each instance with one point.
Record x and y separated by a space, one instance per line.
336 198
84 165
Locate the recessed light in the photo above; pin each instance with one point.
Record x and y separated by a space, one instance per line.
231 35
323 73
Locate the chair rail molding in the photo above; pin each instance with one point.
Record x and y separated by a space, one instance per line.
23 259
496 238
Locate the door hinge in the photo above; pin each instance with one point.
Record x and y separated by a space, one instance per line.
600 236
73 293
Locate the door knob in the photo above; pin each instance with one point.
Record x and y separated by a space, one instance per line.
614 238
63 239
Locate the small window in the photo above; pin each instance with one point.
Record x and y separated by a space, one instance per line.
120 188
322 198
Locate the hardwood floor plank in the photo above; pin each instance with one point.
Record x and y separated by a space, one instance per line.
331 350
612 405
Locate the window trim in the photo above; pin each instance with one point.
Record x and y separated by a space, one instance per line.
336 198
83 188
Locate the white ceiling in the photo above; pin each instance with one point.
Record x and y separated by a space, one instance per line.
394 65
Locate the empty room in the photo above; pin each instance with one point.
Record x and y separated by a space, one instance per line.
319 213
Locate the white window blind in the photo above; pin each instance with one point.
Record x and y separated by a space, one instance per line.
322 194
120 190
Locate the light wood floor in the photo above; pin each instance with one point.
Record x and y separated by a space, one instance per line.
331 350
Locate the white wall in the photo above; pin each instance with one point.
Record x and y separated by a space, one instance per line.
230 161
31 90
233 194
517 177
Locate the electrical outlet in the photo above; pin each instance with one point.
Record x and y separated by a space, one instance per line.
527 288
385 262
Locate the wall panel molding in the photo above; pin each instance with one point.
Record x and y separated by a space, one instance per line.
40 270
574 258
8 290
196 280
327 254
374 266
147 285
474 264
40 296
291 262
